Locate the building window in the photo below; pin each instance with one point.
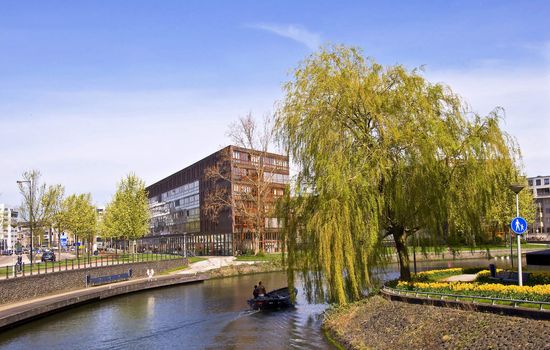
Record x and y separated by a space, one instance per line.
530 183
537 182
547 181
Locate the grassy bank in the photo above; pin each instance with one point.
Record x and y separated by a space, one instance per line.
246 269
381 324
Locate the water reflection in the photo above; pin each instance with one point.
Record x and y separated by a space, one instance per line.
212 315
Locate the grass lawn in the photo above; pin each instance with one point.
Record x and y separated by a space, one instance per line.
195 259
276 257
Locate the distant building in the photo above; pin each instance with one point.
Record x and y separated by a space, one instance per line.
178 215
9 228
540 185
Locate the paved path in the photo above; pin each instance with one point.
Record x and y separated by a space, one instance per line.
461 278
10 260
213 262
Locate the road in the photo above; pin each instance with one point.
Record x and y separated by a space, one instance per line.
9 260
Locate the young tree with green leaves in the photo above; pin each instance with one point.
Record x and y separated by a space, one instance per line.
382 152
80 218
55 212
127 216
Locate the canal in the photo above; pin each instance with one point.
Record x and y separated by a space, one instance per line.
209 315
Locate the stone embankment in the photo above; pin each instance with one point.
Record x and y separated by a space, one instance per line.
66 288
29 287
379 323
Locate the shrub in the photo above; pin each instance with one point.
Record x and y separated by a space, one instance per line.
536 278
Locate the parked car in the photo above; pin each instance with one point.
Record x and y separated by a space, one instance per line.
48 256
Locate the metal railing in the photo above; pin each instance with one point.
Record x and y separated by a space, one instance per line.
26 269
444 296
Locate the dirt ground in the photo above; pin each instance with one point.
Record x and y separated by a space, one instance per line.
377 323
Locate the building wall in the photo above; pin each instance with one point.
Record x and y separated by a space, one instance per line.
540 185
178 205
9 228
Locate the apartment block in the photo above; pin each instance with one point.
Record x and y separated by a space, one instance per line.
205 208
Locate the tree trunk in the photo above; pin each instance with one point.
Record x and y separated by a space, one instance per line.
402 253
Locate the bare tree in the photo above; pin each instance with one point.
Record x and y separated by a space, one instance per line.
36 206
251 170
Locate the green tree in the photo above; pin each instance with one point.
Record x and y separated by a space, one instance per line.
381 152
55 212
503 209
80 218
127 215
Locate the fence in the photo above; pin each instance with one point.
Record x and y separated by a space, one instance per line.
543 306
23 269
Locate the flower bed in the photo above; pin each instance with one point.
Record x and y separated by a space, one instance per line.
428 281
491 290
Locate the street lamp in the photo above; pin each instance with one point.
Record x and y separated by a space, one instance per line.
516 188
31 209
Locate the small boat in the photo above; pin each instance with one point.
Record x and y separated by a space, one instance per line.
276 299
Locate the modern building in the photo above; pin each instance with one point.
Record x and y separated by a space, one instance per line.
206 208
540 229
9 228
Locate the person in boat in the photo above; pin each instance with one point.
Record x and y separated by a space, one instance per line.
256 291
261 289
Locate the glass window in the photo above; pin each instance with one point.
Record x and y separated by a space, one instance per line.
538 182
547 181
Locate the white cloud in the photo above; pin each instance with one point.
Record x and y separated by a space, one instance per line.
293 32
525 96
88 140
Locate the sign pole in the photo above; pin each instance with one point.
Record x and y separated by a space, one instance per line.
520 275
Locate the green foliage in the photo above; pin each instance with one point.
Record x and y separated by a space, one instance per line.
79 216
538 278
381 152
127 216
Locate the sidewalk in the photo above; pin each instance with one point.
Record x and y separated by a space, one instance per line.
213 262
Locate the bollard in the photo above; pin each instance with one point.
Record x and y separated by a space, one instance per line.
493 270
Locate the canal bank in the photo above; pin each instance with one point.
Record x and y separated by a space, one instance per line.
383 324
14 314
210 315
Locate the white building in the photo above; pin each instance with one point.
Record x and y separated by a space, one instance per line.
540 185
9 227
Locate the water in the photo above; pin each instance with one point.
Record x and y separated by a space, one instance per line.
209 315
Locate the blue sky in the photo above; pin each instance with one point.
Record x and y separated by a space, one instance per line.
91 90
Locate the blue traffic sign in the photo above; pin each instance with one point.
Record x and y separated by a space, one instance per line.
63 241
518 225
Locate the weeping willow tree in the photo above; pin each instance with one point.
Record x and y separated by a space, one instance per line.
381 153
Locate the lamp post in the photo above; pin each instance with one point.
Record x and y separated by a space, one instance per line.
31 210
516 188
